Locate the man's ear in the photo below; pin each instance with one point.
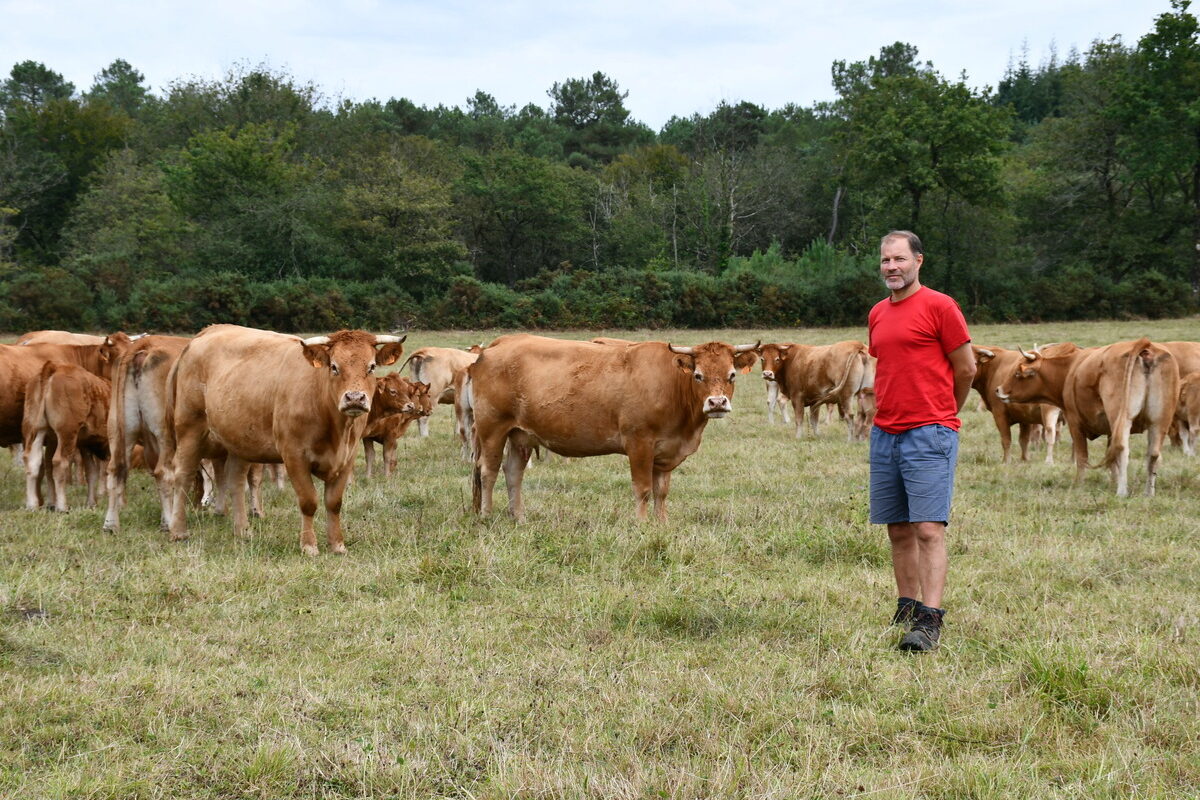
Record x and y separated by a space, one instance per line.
317 355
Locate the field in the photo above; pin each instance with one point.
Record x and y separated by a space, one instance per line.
739 651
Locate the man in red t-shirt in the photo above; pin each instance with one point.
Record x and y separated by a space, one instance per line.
924 372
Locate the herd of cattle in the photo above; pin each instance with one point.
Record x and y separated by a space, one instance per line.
215 411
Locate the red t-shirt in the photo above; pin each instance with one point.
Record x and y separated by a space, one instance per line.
914 381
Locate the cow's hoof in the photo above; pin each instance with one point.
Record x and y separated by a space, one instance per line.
338 549
308 549
178 537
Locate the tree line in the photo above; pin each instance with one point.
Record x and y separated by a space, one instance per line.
1071 190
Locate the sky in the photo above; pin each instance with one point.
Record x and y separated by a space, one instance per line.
673 57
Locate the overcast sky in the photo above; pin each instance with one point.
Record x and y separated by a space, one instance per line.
674 57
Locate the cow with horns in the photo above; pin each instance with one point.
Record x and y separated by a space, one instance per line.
257 396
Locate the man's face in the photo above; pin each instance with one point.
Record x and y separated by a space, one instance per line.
898 264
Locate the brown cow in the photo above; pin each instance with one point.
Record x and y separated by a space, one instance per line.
258 396
138 416
650 401
1187 413
58 337
20 363
68 403
813 375
1116 390
436 366
398 401
992 366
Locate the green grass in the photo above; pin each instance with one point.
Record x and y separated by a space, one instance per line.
739 651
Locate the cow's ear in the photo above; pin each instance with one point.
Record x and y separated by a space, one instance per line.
745 360
389 353
317 355
685 362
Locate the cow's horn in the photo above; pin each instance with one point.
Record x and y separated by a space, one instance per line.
1028 356
387 338
985 352
683 351
137 336
741 348
317 340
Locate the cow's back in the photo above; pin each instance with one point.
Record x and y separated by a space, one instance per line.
437 367
242 384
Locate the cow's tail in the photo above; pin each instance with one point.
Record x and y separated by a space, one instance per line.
471 434
841 384
168 433
34 411
1141 356
416 370
116 417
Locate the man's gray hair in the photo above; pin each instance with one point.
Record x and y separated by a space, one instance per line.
914 241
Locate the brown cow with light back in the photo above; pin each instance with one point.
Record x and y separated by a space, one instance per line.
648 400
437 367
259 396
1113 391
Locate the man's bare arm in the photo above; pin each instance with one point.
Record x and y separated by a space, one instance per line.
962 359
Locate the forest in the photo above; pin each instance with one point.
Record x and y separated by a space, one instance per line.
1069 190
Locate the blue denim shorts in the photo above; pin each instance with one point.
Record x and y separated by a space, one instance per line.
912 474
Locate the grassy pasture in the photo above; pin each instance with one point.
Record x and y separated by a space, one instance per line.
742 650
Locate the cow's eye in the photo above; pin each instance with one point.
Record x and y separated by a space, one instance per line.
733 375
371 368
334 369
698 376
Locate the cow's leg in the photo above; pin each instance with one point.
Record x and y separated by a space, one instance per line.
64 459
1024 431
210 496
516 458
1079 449
1050 431
662 485
232 481
335 490
389 455
641 469
116 475
186 462
369 456
254 482
847 417
814 419
35 452
306 495
423 426
487 469
91 464
1155 433
798 414
772 401
1119 468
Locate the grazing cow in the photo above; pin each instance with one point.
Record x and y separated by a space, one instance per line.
813 375
650 401
58 337
398 401
1187 413
993 365
436 366
1116 390
68 403
138 416
258 396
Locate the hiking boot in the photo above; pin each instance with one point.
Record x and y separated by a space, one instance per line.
906 609
926 630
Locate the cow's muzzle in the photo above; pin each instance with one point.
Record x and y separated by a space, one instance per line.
354 404
717 406
768 375
1000 393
